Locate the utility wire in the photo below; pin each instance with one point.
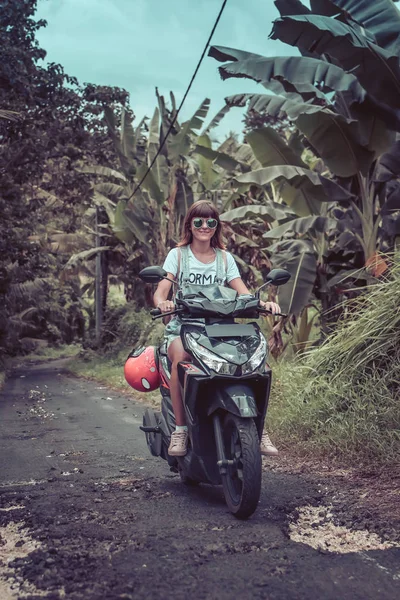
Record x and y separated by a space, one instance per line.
183 100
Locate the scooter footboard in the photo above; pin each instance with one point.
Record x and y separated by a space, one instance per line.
236 398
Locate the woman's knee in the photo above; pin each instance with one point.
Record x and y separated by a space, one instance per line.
177 353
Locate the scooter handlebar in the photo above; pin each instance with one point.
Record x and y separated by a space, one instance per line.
269 312
156 313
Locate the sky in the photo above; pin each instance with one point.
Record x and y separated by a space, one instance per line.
142 44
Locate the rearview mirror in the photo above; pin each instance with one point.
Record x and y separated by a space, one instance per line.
275 277
278 277
152 274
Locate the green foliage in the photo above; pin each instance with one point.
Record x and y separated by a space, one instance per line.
49 125
337 107
126 326
343 397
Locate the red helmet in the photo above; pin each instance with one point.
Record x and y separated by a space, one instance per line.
141 369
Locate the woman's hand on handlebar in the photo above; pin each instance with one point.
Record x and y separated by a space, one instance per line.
166 306
273 307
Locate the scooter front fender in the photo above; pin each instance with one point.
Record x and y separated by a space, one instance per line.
236 398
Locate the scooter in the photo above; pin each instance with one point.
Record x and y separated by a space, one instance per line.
225 390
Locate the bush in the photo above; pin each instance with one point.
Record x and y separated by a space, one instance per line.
127 327
343 397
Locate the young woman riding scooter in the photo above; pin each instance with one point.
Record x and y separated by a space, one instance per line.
202 250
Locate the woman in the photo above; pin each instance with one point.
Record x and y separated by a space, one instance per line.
203 249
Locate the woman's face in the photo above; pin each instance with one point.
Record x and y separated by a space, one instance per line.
203 228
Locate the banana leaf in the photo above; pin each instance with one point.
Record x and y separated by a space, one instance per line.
247 267
109 206
139 131
112 190
375 132
183 199
305 183
328 8
377 69
276 106
85 255
333 136
242 240
127 166
334 139
120 226
270 150
302 226
380 17
156 181
295 91
209 175
216 120
291 7
229 163
180 144
102 172
135 224
293 69
263 211
297 256
165 122
153 140
389 164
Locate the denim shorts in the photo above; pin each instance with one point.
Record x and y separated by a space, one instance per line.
172 331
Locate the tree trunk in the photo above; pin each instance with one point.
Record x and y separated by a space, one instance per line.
98 283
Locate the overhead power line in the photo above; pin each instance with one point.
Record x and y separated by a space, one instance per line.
183 100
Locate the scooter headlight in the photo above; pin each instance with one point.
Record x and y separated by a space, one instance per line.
258 357
214 362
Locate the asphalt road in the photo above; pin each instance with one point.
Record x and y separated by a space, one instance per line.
87 513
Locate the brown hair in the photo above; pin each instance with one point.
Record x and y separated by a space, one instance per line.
202 208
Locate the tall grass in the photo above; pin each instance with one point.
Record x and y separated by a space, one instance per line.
343 397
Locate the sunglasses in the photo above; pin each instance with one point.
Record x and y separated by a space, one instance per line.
198 223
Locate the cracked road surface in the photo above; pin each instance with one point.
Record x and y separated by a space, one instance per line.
87 513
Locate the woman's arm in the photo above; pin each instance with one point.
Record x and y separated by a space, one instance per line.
240 287
161 294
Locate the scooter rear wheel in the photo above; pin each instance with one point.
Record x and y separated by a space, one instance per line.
242 481
153 440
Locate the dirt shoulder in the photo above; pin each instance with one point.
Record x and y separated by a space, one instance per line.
361 497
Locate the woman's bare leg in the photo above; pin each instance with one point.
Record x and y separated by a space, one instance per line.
176 354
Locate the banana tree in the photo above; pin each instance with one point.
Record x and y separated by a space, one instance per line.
347 119
145 221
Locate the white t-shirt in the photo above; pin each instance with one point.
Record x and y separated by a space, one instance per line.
200 273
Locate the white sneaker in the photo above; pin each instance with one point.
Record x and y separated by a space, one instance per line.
178 445
266 446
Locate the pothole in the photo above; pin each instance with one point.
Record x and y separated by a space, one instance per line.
314 527
15 542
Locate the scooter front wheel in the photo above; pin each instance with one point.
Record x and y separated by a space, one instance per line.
242 481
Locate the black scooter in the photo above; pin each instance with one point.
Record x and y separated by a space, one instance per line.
225 390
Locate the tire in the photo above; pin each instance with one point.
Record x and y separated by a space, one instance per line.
242 482
153 440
